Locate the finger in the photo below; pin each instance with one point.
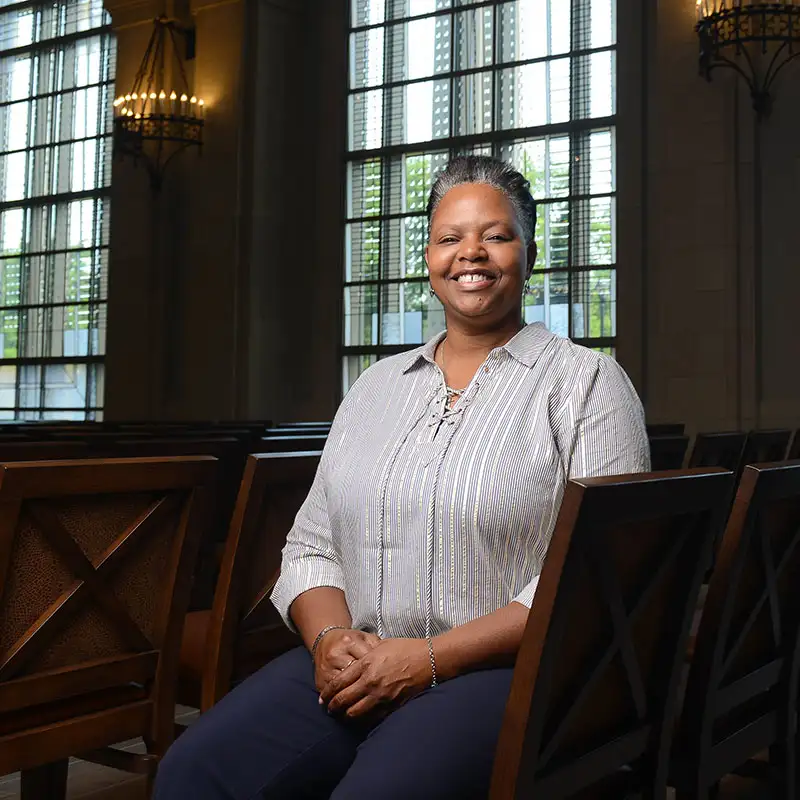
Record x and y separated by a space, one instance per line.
341 681
359 648
349 696
362 707
339 660
323 677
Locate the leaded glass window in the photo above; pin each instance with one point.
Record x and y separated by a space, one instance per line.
56 94
530 81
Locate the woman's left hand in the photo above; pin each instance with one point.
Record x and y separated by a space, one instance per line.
391 673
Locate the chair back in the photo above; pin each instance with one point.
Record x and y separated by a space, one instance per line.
793 453
231 454
42 451
765 447
718 450
668 452
95 567
665 429
745 658
245 630
293 444
596 680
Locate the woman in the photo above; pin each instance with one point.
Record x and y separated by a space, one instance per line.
411 566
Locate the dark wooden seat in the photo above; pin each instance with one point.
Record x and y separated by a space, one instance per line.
668 452
718 450
95 565
742 690
596 681
293 444
765 447
666 429
242 631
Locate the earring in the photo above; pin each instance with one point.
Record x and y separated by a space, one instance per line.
528 289
433 294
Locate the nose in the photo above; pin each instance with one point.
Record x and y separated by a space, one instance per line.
472 249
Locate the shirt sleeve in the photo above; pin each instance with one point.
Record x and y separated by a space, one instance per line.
604 432
310 558
610 436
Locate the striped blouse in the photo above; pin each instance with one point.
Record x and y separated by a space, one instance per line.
428 517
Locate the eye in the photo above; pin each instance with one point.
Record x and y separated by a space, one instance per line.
498 237
448 240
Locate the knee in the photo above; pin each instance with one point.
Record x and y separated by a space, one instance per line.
184 770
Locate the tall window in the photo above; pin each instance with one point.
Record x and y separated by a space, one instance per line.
530 81
56 93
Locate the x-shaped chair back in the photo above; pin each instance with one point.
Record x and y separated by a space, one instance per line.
745 658
231 454
95 569
245 629
596 680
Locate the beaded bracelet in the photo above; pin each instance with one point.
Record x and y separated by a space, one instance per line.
434 681
321 634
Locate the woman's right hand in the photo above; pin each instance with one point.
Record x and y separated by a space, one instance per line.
337 650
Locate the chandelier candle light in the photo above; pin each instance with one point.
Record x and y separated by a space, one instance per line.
153 124
756 39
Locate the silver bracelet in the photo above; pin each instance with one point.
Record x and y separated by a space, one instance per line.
320 636
434 681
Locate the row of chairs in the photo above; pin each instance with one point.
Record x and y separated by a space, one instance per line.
731 450
94 659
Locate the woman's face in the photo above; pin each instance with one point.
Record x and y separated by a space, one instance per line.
477 256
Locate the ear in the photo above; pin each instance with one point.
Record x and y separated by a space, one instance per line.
425 252
532 252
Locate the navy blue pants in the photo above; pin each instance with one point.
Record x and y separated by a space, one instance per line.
270 738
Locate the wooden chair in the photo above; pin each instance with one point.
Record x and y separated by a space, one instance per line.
666 429
95 566
765 447
282 433
742 690
718 450
42 451
668 452
595 687
793 454
242 632
293 444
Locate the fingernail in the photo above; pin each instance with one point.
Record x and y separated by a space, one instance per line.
320 700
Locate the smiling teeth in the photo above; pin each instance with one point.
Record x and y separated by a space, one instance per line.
475 277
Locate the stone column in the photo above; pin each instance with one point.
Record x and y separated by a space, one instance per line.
224 287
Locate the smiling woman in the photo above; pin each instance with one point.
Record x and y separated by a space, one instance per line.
481 251
413 563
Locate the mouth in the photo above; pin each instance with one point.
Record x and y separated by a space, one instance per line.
473 280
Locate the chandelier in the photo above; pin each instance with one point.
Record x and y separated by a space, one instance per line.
756 39
151 123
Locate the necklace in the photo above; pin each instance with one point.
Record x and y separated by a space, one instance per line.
452 394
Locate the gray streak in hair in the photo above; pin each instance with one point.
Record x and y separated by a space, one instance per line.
491 172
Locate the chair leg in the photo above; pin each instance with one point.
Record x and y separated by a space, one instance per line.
48 782
783 763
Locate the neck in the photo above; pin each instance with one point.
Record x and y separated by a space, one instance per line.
465 342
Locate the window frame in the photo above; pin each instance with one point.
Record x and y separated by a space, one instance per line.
86 264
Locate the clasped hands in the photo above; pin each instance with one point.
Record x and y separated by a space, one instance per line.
358 673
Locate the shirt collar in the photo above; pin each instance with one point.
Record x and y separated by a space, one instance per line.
525 346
